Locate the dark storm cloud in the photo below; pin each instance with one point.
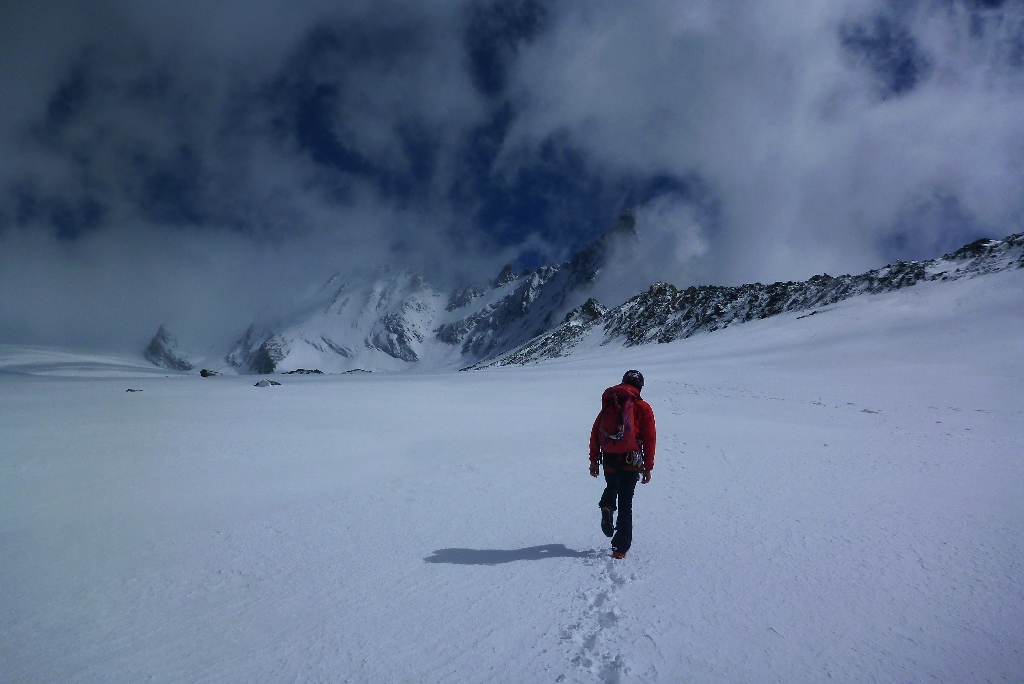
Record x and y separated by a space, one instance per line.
888 48
199 165
492 37
821 128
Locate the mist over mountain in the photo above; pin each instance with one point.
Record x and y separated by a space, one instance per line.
398 321
163 351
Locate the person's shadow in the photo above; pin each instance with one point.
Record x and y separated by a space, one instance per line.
499 556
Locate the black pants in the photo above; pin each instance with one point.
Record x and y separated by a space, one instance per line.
620 485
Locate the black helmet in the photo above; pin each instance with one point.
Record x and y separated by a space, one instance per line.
634 378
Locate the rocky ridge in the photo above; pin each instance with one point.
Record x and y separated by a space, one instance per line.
665 313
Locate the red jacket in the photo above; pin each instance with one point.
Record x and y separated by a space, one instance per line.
645 427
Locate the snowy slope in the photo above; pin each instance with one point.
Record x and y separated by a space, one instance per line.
665 313
26 360
381 324
836 497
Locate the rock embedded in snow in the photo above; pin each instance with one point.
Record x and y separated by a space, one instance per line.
266 383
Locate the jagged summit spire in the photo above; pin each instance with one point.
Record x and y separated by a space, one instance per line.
506 276
163 351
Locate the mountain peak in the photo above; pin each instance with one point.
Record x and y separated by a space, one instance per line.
506 276
164 351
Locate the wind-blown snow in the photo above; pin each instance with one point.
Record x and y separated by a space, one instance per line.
836 496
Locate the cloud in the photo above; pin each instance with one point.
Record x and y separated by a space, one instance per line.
815 125
671 238
204 164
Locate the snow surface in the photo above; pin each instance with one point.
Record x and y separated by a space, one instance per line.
836 496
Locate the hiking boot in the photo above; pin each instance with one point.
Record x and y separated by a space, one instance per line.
618 555
606 522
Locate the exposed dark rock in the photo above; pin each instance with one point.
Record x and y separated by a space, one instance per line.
392 336
506 276
266 383
163 352
664 313
537 297
208 373
588 312
464 295
587 263
326 345
976 248
303 371
268 355
132 390
559 341
397 314
246 349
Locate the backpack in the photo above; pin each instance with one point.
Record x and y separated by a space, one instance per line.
616 424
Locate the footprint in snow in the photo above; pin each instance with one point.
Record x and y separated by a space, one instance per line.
593 636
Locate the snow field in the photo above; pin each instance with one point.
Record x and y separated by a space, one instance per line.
834 497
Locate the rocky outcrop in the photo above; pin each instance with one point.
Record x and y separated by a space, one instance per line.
557 342
535 302
163 351
258 352
268 355
517 318
506 276
464 296
665 313
393 336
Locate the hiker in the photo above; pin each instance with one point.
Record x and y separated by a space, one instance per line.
623 440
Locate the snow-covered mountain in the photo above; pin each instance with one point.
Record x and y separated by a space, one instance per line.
351 324
400 319
665 313
165 352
